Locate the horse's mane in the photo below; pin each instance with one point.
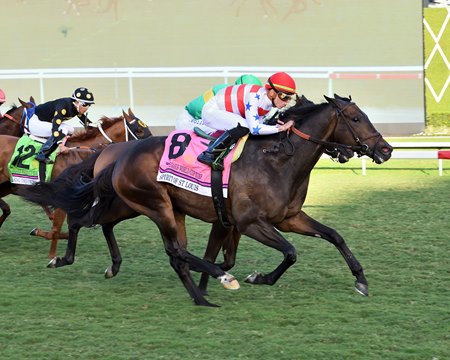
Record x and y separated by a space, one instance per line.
299 112
91 132
13 107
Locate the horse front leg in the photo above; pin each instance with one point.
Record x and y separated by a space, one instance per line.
58 217
69 257
228 240
305 225
6 211
265 233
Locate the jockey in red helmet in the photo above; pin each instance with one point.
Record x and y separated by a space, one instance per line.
192 113
242 109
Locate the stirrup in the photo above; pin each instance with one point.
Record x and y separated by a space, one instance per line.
43 159
206 158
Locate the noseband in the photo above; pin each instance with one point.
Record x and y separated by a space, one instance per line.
361 148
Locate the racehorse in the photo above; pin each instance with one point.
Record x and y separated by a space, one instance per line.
82 144
267 188
13 122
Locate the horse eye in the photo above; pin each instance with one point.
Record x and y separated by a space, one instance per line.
356 119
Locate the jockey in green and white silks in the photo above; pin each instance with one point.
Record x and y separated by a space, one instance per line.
191 115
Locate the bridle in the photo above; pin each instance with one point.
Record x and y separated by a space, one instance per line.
105 135
333 147
20 122
126 128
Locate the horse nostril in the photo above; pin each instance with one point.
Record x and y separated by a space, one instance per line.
386 149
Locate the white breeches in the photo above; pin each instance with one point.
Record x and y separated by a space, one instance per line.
219 119
44 128
186 121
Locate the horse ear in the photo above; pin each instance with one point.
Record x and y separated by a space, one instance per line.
131 113
332 101
23 103
336 96
125 115
32 100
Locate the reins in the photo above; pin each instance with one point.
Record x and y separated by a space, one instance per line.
361 149
18 122
105 135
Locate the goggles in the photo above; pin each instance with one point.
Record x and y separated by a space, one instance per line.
85 104
281 95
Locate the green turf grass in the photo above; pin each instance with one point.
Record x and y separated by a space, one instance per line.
395 220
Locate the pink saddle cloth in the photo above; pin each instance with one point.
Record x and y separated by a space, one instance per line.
179 165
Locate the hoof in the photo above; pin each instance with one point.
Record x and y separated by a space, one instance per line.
108 273
229 282
33 232
52 263
252 277
363 289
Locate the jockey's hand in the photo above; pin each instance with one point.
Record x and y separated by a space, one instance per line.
63 149
285 126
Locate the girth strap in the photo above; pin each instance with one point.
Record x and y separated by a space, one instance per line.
217 196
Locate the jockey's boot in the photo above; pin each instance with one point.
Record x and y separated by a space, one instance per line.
44 153
210 154
228 138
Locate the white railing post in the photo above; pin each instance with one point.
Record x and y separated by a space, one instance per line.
130 87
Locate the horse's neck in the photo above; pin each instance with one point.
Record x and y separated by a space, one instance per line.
306 152
114 133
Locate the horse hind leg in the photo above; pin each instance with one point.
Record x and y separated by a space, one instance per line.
116 257
6 211
69 256
182 270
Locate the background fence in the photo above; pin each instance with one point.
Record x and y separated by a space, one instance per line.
158 94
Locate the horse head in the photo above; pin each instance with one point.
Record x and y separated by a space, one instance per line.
136 127
356 132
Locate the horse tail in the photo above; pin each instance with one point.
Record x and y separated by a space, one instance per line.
68 191
104 195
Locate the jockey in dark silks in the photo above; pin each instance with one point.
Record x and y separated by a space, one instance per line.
49 120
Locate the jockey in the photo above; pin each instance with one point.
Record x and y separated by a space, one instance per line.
192 113
48 120
2 100
241 109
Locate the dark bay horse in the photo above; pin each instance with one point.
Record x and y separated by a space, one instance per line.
82 144
13 121
267 189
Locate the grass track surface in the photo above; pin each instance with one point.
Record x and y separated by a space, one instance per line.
395 220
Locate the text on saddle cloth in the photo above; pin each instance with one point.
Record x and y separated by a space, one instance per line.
23 167
179 165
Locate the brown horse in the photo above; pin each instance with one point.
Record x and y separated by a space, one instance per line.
13 122
267 189
82 144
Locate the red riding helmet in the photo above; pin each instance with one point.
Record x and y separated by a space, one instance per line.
282 82
2 96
